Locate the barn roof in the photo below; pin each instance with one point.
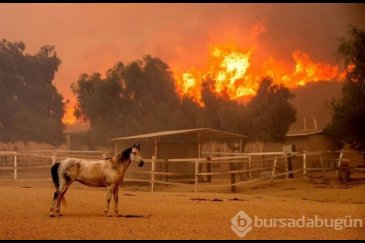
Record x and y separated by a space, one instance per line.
206 133
303 133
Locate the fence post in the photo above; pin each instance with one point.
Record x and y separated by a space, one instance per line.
290 165
212 151
304 164
15 166
249 166
200 169
273 170
339 162
232 167
166 169
209 170
286 166
153 168
196 176
322 164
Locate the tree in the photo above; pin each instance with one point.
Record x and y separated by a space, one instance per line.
137 98
31 108
141 97
191 113
269 113
348 112
220 112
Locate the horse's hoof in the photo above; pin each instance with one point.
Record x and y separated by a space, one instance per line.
51 215
109 215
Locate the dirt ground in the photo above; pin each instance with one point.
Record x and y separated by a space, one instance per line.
24 212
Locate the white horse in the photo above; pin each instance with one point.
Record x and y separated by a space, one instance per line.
107 173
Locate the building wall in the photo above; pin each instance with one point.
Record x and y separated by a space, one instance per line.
314 142
166 150
176 150
258 147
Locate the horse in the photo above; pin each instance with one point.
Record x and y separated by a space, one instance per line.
107 173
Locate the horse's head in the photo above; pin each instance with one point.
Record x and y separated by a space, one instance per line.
133 154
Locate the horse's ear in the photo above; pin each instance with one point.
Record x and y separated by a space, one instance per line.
138 146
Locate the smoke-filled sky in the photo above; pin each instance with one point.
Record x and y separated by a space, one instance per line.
92 37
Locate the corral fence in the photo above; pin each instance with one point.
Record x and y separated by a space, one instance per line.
213 171
38 162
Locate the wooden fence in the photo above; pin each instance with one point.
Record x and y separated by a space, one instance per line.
214 171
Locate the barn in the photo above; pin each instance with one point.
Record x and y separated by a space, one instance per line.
299 141
188 143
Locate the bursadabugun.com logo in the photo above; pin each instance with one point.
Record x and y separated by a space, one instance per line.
242 223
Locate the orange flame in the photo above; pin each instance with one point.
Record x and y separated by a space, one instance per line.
230 70
69 117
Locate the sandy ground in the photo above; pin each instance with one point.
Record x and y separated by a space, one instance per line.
24 212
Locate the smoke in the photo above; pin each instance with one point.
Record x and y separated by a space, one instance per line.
92 37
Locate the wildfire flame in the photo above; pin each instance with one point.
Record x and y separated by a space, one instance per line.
69 117
230 71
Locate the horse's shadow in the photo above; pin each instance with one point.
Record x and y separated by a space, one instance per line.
78 215
132 216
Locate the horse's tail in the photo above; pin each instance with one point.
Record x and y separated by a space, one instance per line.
54 172
55 179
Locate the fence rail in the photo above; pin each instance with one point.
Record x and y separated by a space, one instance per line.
228 169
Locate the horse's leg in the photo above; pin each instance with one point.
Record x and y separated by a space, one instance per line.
61 191
115 193
56 197
61 194
109 192
53 204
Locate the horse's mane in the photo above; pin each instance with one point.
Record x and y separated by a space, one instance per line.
125 154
